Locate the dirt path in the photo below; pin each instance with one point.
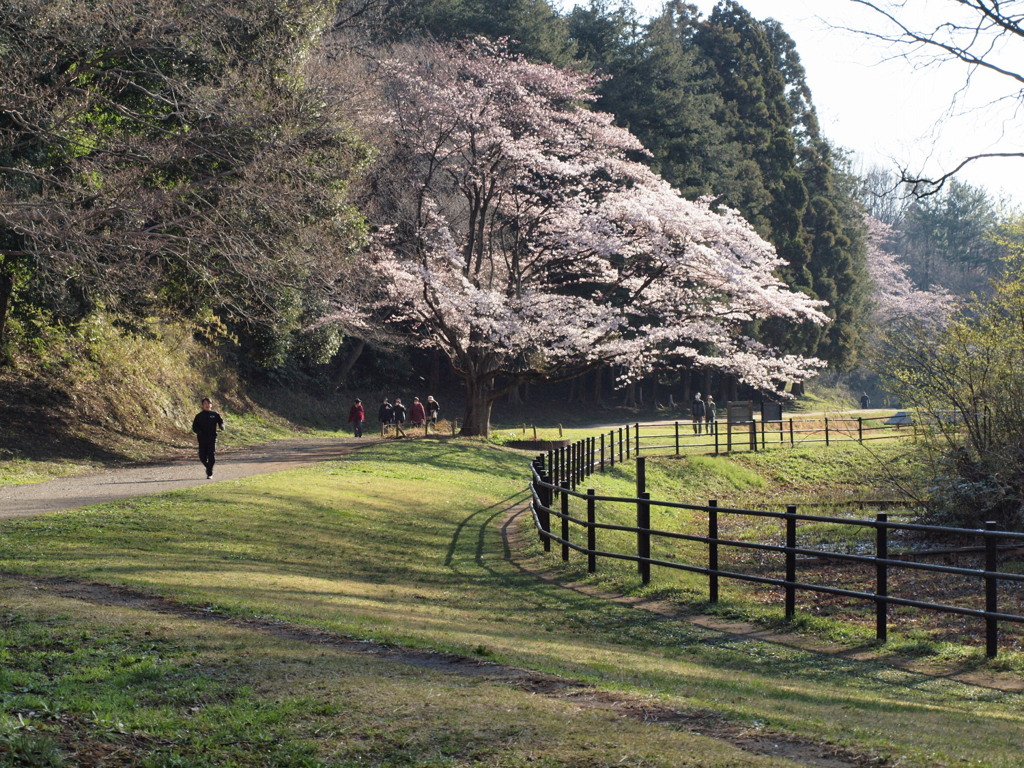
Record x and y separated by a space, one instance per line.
753 740
186 472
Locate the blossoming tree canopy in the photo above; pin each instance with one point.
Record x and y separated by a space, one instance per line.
524 241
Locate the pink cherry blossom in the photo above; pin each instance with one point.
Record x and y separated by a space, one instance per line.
527 241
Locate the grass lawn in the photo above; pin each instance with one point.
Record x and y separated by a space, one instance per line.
401 543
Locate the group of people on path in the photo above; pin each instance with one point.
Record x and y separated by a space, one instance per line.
395 415
703 413
207 423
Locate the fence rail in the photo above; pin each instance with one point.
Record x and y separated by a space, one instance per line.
557 474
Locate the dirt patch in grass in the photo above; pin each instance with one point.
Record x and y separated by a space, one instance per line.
705 723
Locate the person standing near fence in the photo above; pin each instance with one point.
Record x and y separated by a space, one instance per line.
433 408
417 415
697 412
709 414
356 417
385 415
398 417
206 424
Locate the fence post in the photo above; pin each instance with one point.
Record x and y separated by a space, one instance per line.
636 431
753 436
826 432
792 442
860 429
546 497
602 451
790 561
677 438
628 441
574 453
713 551
881 577
565 522
643 536
591 532
991 586
715 426
593 456
643 520
763 446
611 444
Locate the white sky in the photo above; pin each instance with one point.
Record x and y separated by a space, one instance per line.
885 109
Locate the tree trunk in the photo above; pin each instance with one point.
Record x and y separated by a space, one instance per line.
479 401
598 378
514 397
6 293
434 383
346 367
629 397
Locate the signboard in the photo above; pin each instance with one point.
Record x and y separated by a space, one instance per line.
771 411
739 412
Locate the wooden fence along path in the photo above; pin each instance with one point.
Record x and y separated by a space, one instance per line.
557 474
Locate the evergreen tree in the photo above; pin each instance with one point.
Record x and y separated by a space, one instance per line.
785 178
948 239
658 87
533 26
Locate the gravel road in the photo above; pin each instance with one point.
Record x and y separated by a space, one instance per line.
144 479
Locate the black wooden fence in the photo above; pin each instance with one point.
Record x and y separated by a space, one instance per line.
557 474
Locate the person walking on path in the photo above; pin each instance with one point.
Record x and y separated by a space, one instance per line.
206 424
433 408
398 415
356 417
417 415
697 412
865 401
709 414
385 415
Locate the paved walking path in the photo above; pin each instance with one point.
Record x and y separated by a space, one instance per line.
144 479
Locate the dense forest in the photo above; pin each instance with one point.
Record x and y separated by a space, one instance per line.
475 194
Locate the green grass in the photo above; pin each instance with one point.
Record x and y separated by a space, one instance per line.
24 471
401 544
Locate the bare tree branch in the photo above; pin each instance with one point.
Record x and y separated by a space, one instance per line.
985 35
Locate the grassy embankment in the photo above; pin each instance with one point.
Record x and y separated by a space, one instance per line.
401 544
100 397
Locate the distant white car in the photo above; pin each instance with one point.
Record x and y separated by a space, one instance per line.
900 419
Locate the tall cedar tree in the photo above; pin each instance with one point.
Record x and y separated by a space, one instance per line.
793 198
724 107
533 27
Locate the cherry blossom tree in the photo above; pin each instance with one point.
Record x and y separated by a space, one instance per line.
895 297
524 242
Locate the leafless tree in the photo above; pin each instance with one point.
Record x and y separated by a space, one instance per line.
171 154
984 35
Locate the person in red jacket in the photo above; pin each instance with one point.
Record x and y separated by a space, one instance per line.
417 414
356 417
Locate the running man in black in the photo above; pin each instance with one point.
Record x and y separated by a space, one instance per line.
205 425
